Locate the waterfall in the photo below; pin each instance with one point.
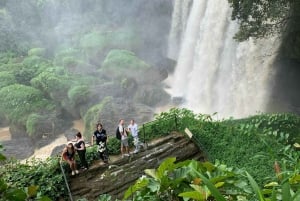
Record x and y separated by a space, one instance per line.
214 73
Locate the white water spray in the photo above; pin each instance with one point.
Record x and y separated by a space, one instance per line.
214 73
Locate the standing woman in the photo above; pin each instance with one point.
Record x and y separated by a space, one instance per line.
81 150
68 154
101 140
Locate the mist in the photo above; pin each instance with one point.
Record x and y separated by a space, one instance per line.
89 60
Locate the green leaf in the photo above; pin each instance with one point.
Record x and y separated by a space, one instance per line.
166 165
2 157
255 187
193 195
32 191
214 191
3 185
139 184
44 198
296 196
15 195
286 188
151 173
219 184
209 166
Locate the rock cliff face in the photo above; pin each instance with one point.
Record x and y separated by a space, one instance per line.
115 178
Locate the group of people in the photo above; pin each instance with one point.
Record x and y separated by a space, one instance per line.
100 136
124 132
68 153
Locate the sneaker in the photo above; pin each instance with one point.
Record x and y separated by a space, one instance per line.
73 173
126 154
76 171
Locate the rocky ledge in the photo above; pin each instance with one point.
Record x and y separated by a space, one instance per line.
115 178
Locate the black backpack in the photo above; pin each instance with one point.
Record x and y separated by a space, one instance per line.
118 134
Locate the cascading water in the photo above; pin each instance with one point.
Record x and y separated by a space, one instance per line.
214 73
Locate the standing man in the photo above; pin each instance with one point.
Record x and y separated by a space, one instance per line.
124 139
133 128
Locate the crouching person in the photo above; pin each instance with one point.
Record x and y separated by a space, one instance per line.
68 155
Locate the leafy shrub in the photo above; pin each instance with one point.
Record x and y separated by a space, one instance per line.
38 124
206 181
37 52
78 94
91 154
93 115
42 177
240 143
5 57
66 53
97 43
19 101
113 146
12 67
7 78
32 66
124 61
52 83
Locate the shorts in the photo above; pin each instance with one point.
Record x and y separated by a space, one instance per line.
67 158
124 142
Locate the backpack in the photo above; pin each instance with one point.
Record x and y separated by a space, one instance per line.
118 134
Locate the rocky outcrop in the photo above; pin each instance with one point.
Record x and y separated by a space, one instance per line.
115 178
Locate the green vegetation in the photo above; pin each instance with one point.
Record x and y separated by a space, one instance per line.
262 18
16 191
206 181
37 52
123 62
243 143
92 116
6 78
248 159
19 101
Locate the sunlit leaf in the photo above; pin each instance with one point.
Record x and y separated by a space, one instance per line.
219 184
152 173
193 195
44 198
139 184
32 191
209 166
271 184
166 165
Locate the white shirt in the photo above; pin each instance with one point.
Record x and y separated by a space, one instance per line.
123 132
133 129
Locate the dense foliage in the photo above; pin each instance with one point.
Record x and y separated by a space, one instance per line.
262 18
248 159
72 55
237 143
